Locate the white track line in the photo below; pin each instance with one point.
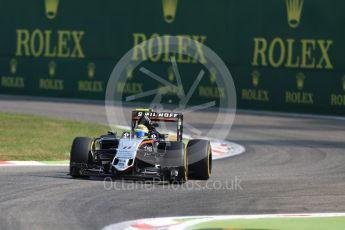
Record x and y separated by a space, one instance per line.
174 223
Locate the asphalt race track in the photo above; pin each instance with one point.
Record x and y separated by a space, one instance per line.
292 165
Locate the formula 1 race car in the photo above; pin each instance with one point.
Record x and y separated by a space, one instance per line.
143 152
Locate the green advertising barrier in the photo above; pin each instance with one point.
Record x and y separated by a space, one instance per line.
284 55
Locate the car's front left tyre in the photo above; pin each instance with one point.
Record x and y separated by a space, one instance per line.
199 154
80 155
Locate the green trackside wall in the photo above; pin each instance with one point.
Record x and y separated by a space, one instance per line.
284 55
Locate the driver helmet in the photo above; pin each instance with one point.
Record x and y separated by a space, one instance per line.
141 131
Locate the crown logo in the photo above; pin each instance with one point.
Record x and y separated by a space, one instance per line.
91 69
130 72
300 81
255 78
51 8
52 69
169 10
294 12
13 66
343 83
171 75
213 75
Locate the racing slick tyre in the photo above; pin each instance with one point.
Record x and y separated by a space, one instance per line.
80 154
176 158
199 156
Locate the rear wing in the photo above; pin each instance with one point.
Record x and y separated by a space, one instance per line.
159 117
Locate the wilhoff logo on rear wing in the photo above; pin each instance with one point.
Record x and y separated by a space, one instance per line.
158 115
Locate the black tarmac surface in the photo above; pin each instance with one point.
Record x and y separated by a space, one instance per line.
292 165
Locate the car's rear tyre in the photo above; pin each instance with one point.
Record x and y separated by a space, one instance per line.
176 157
80 154
199 156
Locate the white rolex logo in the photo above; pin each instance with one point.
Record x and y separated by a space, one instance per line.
294 12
